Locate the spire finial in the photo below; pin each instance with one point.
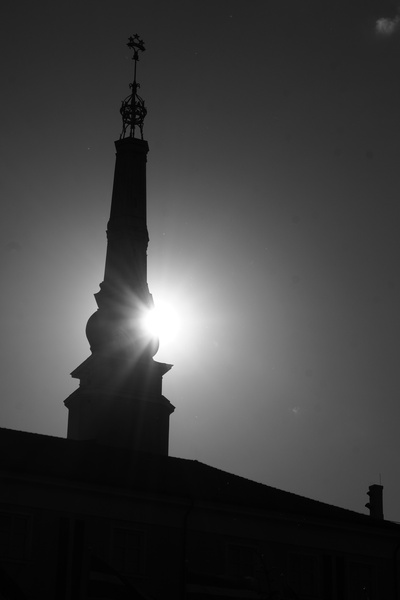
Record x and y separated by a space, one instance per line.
133 110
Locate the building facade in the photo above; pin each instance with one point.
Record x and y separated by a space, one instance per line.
80 520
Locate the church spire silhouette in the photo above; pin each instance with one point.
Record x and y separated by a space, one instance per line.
119 401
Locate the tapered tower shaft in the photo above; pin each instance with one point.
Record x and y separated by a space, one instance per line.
119 401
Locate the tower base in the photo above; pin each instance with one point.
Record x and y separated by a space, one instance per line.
132 414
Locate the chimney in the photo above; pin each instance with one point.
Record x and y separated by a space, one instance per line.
375 503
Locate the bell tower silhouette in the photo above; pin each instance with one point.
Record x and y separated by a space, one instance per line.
119 401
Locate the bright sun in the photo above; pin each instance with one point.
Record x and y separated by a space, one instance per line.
162 321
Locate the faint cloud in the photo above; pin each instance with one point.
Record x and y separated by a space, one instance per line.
296 410
387 26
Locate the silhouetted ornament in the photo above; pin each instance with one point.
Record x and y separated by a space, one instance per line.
133 110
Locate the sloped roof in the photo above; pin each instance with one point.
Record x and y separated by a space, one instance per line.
60 459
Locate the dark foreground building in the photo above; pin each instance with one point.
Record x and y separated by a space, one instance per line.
107 514
79 520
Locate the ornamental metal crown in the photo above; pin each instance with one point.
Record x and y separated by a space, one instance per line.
133 110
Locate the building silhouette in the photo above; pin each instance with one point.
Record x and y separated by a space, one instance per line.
108 514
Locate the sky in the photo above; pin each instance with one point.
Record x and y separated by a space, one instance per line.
273 214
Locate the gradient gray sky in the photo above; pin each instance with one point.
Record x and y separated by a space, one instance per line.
273 213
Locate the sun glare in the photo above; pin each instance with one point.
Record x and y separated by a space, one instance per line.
162 321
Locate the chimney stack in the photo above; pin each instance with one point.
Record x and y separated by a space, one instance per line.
375 503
